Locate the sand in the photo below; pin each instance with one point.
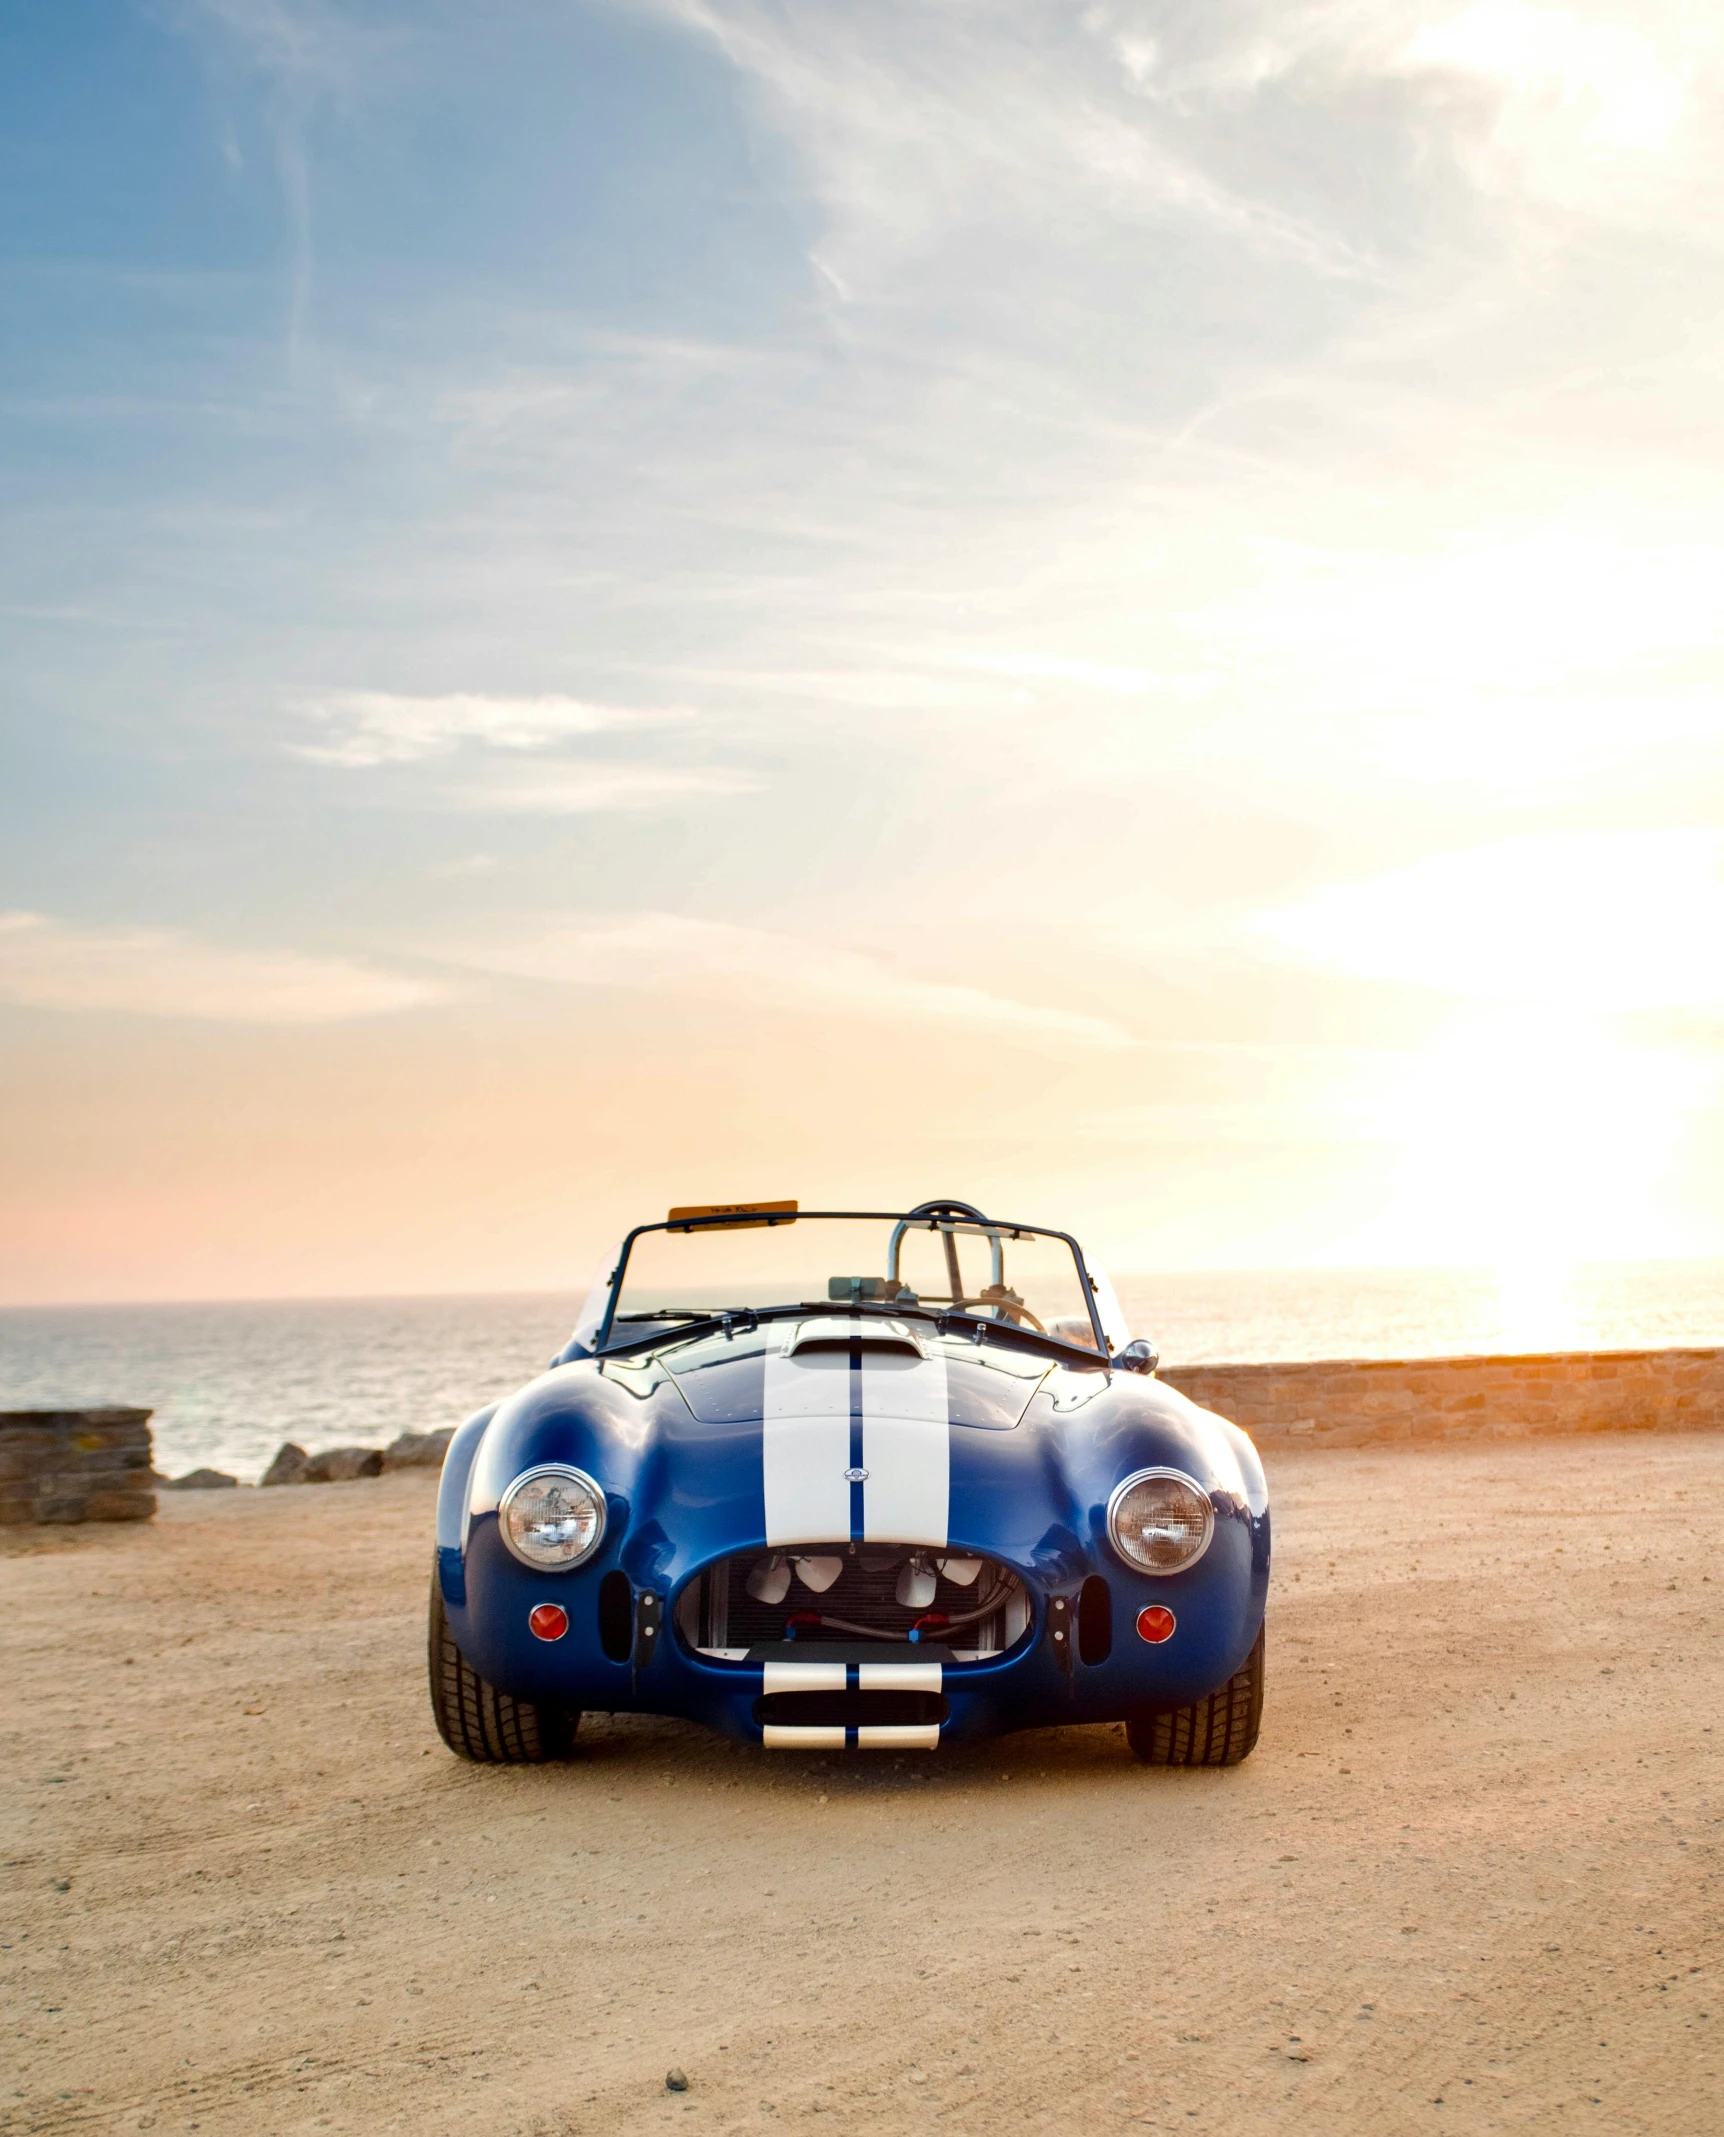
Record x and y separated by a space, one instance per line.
1468 1881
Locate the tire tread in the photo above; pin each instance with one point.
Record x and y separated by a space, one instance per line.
1219 1730
475 1719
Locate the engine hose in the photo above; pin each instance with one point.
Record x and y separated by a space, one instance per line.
874 1632
970 1617
866 1632
992 1601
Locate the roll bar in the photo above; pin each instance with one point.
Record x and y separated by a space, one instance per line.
934 1211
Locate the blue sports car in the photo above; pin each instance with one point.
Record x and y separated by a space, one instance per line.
827 1480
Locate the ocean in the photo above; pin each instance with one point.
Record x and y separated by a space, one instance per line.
230 1382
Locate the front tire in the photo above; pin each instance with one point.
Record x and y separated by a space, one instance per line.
481 1723
1217 1731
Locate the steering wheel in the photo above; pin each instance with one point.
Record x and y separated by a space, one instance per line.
1016 1308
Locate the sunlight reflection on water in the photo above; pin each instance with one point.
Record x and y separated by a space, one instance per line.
1425 1313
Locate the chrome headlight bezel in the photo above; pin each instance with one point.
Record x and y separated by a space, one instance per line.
564 1472
1146 1476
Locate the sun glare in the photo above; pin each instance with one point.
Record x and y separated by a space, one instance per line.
1533 1142
1623 920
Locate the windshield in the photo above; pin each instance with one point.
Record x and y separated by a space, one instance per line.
1007 1273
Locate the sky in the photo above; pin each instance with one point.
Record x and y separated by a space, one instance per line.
1110 609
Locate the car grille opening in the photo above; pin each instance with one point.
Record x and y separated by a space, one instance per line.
978 1616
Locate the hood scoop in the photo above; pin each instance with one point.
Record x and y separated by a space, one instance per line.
839 1332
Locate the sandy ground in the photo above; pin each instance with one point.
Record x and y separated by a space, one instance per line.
1468 1882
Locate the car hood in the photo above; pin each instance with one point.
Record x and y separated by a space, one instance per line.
808 1368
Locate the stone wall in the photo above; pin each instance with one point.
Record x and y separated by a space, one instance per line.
1365 1402
75 1465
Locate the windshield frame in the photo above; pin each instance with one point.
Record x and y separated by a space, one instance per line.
932 1216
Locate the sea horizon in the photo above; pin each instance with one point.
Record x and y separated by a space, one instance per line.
230 1379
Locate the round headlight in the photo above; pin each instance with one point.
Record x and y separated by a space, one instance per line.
1160 1521
552 1518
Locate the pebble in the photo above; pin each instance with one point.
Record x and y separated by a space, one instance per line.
674 2081
341 1465
418 1450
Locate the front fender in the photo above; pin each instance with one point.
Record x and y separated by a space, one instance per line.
452 1506
1218 1603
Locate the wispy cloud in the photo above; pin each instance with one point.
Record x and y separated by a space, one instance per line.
1050 668
920 119
53 964
585 789
296 40
311 55
363 729
676 953
368 727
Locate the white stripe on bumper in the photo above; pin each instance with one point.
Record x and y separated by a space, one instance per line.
899 1677
881 1736
803 1677
777 1737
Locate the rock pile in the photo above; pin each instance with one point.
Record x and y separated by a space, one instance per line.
340 1465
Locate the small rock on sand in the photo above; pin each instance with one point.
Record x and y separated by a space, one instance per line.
339 1465
674 2081
289 1466
418 1450
201 1480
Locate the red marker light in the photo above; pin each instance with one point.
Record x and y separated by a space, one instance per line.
1156 1624
548 1621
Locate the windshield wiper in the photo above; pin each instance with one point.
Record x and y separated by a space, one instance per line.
691 1321
948 1320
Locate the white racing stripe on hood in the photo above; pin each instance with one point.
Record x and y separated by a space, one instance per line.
805 1446
906 1448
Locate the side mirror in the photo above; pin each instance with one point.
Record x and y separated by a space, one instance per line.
1139 1356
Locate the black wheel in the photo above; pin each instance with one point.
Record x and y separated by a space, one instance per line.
477 1721
1217 1731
